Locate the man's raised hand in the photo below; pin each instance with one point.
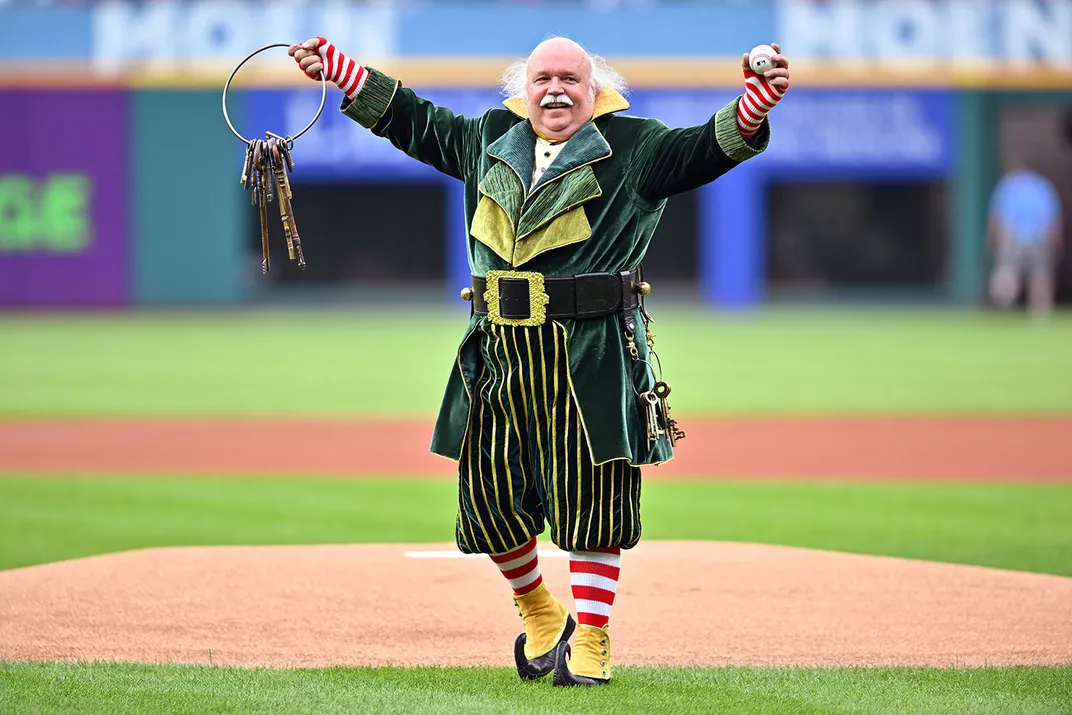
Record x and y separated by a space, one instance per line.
317 54
762 92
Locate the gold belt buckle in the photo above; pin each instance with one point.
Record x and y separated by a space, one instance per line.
538 299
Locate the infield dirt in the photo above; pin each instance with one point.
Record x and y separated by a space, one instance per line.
975 449
678 603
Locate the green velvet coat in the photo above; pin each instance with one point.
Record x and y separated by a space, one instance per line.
593 210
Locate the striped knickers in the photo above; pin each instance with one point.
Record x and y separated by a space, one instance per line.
526 456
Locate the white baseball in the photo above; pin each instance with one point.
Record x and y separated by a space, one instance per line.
760 58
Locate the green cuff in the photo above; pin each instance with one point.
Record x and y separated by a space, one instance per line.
729 138
372 101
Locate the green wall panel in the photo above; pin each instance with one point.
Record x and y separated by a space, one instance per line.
188 225
974 175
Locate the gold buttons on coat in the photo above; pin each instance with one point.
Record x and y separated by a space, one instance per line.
467 293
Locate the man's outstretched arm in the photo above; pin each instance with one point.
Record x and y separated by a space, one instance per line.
672 161
431 134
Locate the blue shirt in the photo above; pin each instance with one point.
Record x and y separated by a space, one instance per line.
1026 205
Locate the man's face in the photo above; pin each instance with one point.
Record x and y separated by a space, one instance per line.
560 93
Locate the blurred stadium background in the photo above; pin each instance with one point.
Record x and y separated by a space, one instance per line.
118 182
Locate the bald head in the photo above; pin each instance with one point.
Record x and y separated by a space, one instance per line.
560 92
558 48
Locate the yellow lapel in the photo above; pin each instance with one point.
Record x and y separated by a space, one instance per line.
518 223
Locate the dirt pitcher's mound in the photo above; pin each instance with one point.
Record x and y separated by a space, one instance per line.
679 603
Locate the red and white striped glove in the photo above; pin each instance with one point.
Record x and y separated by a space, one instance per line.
338 68
760 96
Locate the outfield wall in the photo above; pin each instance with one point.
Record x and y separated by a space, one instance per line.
119 186
114 196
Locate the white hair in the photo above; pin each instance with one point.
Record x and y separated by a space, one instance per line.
515 78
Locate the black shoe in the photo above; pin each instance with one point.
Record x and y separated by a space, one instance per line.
563 676
541 665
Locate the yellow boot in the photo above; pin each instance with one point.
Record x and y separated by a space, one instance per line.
547 623
590 664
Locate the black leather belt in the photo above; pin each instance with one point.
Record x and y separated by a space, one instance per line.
526 298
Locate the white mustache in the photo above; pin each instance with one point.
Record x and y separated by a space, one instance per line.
553 98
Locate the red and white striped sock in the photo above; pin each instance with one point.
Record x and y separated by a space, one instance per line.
594 580
340 69
759 98
521 567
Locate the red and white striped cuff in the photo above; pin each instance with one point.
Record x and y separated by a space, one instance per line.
344 72
758 99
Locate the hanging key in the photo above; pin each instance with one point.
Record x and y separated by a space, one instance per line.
247 165
295 239
279 180
263 179
270 178
253 182
653 427
262 201
279 167
673 432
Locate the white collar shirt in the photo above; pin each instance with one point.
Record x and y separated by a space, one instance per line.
546 153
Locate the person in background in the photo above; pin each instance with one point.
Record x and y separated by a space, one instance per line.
1024 238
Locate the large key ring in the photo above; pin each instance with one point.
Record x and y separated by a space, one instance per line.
323 95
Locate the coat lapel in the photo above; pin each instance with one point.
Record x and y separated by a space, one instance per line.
567 183
584 147
521 224
516 149
504 190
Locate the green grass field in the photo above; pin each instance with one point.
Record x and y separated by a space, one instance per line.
1023 527
32 687
782 362
779 362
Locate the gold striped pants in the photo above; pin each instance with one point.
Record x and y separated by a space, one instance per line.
526 457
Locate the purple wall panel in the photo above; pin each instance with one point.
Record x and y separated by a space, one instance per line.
64 194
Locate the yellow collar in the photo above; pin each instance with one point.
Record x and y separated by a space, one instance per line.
609 100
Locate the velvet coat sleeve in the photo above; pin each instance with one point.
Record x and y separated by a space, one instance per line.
671 161
433 135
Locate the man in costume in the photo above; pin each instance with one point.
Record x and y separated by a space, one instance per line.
548 408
